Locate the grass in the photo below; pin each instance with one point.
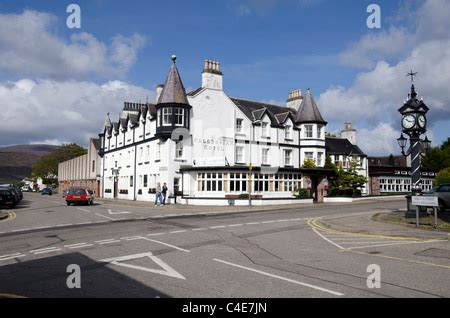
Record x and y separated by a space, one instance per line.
426 222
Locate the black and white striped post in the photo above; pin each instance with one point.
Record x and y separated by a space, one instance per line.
414 124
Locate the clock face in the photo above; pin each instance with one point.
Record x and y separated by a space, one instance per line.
421 120
409 121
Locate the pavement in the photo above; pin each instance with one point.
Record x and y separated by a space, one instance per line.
362 223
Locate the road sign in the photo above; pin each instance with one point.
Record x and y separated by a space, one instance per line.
425 201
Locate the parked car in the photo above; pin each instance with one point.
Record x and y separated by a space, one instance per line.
47 191
8 198
18 195
26 189
65 192
79 195
443 194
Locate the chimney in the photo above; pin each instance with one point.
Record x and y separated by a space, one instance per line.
349 133
212 77
294 99
159 89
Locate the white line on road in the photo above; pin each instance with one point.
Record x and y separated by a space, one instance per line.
235 225
283 220
131 238
169 245
107 217
11 257
84 210
48 251
8 255
267 222
67 224
217 227
326 239
199 229
107 240
110 242
180 231
42 249
156 234
282 278
72 245
253 223
81 246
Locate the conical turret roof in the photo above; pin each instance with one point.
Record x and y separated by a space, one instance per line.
173 91
308 111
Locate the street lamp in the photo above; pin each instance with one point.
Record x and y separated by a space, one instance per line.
414 123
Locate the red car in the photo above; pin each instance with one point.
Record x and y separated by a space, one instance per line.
77 195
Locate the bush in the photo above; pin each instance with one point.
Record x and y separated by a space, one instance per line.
309 164
443 176
243 196
303 194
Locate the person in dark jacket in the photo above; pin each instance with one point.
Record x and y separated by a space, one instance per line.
164 193
158 196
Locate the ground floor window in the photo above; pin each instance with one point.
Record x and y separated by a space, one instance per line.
210 182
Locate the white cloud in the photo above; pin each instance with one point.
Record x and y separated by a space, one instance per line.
376 94
49 111
30 47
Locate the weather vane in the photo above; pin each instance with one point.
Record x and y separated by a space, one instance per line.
412 74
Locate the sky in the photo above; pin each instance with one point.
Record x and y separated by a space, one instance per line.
58 83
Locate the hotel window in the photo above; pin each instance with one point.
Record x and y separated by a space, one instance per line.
210 182
239 125
158 152
145 180
284 182
319 131
264 131
288 157
140 181
148 150
239 154
166 116
261 183
141 152
288 132
238 182
178 150
93 165
309 156
319 159
308 131
265 156
179 116
131 181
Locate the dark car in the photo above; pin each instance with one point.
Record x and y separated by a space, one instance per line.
8 198
20 193
19 197
78 195
443 194
47 191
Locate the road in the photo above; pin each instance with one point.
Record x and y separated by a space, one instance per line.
274 253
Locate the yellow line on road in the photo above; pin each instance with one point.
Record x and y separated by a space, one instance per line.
11 216
313 223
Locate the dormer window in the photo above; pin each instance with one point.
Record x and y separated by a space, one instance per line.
167 116
319 131
264 130
288 132
239 122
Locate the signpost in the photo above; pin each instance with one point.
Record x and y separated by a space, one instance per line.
419 201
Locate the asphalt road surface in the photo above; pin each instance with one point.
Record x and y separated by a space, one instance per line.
258 254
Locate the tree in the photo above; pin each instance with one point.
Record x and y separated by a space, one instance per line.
329 164
438 158
391 160
330 134
47 166
347 183
442 176
309 164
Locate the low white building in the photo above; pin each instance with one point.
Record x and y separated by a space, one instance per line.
209 147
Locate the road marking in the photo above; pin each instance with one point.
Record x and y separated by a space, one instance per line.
156 234
326 239
11 257
47 251
166 269
253 223
267 222
282 278
106 217
283 220
180 231
299 219
68 224
382 242
107 240
199 229
42 249
131 238
169 245
81 246
217 227
235 225
84 210
110 242
113 212
72 245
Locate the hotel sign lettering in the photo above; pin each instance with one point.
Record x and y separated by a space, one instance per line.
214 144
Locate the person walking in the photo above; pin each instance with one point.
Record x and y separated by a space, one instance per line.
158 194
164 193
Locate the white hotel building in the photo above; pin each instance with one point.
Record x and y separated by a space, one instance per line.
211 148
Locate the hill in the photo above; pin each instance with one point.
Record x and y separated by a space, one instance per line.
16 161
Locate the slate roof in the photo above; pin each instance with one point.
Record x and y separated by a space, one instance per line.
195 91
308 111
256 110
342 146
173 91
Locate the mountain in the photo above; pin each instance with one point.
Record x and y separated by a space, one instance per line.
16 161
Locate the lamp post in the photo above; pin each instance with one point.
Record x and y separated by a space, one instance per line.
414 124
